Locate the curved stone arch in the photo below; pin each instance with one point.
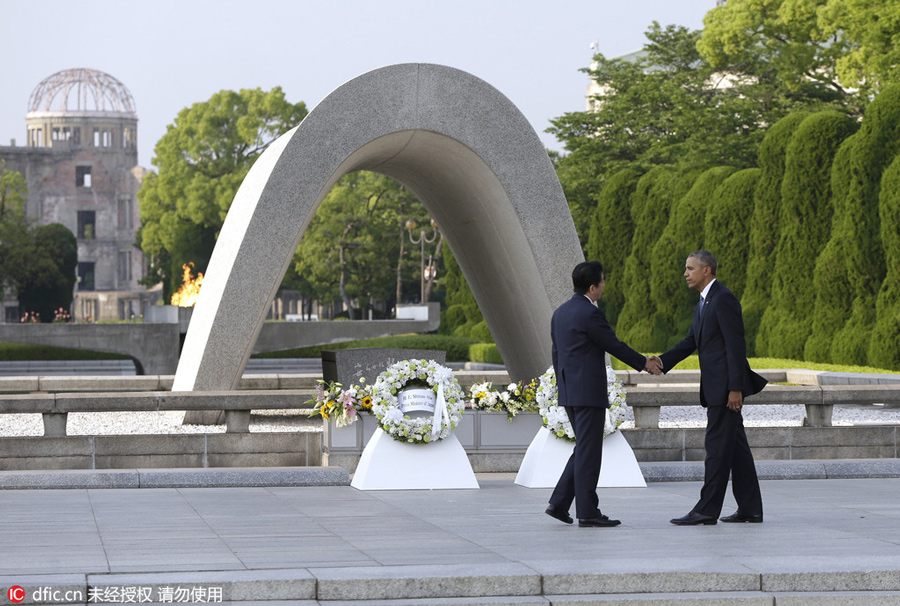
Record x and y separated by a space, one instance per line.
462 148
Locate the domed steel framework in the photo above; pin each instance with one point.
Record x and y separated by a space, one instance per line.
81 90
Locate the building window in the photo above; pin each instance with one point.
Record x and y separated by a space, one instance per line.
76 135
128 138
82 176
86 276
87 221
125 215
124 266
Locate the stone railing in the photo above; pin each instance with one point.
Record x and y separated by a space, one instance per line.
55 407
55 396
819 400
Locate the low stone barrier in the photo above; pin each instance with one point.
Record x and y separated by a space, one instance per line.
55 397
819 400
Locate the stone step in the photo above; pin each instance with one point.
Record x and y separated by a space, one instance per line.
468 585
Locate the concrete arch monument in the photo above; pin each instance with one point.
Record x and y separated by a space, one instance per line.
470 157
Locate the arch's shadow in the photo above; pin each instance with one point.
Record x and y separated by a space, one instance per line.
465 151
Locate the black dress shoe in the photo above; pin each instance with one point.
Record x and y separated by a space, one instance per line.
694 519
559 514
737 516
602 521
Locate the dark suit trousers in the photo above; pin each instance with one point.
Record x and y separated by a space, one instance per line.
728 452
578 481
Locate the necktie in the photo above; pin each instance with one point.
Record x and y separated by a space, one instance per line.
702 306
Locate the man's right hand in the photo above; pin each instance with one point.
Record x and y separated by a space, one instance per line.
653 365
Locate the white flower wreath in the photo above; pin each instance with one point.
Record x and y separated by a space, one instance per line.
417 430
557 421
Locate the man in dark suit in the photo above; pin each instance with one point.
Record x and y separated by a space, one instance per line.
581 337
717 333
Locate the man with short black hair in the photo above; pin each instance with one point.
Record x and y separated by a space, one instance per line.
717 334
581 337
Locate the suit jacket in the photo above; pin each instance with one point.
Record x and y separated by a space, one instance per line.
718 337
581 337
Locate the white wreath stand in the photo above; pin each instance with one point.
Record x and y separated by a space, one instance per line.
547 456
387 464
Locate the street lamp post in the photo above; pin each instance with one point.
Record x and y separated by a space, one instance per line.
423 238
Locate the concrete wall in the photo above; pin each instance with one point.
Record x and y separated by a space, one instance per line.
162 451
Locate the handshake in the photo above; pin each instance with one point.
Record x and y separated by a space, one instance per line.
653 365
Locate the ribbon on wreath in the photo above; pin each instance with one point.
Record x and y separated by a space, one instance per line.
441 414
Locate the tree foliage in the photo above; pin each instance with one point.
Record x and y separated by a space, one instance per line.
462 318
855 233
45 270
355 248
610 237
669 104
654 196
765 226
13 227
778 40
805 218
201 161
683 235
872 60
884 346
727 225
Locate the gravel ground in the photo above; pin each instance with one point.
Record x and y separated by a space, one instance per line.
125 423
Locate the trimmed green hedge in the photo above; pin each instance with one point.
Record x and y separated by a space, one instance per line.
884 346
654 195
23 352
765 227
727 225
486 353
674 302
609 241
457 348
861 254
805 218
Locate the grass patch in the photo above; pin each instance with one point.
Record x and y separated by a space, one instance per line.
23 352
693 363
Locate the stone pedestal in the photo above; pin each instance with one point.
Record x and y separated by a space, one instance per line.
348 366
547 455
387 464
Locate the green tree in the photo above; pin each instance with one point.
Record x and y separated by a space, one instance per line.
727 225
202 160
654 196
462 318
833 304
610 237
780 41
884 346
765 226
13 226
857 241
45 270
871 29
668 104
683 235
351 249
805 217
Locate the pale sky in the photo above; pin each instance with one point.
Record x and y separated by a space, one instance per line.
173 53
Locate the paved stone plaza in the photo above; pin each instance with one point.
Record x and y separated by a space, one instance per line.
823 542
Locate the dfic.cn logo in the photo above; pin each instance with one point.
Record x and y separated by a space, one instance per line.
16 594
